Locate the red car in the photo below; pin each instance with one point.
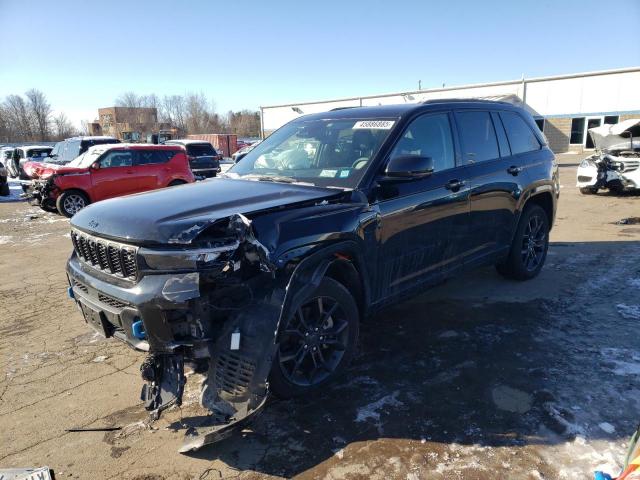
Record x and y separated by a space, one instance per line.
106 171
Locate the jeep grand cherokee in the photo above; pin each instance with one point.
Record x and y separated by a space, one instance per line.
260 278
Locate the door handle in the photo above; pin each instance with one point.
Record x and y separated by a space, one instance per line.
513 170
454 185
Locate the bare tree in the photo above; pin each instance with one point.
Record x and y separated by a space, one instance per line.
129 99
63 127
40 112
19 117
173 111
244 123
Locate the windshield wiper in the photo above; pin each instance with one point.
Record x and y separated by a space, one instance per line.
274 178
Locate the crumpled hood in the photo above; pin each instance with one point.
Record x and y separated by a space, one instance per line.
177 215
617 137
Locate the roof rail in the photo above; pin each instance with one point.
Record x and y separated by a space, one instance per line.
466 100
340 108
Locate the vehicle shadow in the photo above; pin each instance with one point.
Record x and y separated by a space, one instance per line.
442 368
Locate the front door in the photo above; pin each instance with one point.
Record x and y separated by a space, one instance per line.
423 221
114 176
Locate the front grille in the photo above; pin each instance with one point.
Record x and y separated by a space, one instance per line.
630 165
110 257
80 286
113 302
233 373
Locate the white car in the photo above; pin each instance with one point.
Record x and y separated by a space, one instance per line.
616 163
24 154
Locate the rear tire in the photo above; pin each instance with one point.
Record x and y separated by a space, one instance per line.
71 202
589 190
318 341
529 247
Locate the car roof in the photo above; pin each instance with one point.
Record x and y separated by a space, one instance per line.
186 141
132 146
89 137
404 109
32 147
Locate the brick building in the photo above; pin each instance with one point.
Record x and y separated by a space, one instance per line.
126 124
564 106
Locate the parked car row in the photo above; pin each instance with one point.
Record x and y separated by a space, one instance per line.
82 170
107 171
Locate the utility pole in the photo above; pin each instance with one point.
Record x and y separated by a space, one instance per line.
419 84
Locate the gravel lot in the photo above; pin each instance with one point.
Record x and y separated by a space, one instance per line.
480 378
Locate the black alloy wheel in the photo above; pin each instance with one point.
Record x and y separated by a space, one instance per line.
529 246
317 341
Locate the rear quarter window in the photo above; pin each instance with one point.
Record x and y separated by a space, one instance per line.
521 137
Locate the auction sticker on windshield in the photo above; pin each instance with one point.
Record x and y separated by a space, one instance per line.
374 125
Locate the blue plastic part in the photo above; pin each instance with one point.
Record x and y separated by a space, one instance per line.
70 293
137 329
601 476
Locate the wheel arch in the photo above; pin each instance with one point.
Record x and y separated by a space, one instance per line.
340 261
79 190
543 199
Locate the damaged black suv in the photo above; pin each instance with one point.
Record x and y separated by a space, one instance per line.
260 278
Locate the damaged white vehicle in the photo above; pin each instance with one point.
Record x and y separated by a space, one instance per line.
616 164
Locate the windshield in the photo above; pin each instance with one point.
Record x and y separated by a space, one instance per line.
86 159
38 152
328 153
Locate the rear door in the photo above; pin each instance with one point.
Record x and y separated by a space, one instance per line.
115 175
494 183
151 169
423 221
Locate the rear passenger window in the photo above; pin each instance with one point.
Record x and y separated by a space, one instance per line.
117 158
478 136
521 137
428 136
146 157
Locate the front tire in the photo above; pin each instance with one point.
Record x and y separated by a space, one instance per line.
589 190
317 343
71 202
529 247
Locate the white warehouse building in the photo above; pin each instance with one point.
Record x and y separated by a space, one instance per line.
564 106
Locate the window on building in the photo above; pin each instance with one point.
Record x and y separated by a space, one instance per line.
577 131
611 119
540 123
478 136
521 137
428 136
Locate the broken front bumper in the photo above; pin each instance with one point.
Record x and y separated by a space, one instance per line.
170 316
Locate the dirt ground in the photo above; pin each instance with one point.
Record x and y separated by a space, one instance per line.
480 378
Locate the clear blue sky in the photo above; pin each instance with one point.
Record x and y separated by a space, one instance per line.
244 54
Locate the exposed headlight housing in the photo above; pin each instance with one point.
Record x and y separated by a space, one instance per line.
193 259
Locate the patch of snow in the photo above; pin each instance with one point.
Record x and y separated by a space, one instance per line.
607 427
99 359
626 362
630 312
448 334
15 190
372 410
634 282
4 239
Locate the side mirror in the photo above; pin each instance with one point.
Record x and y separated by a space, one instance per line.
95 166
407 167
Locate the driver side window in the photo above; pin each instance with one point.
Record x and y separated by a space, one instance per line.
428 136
117 158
